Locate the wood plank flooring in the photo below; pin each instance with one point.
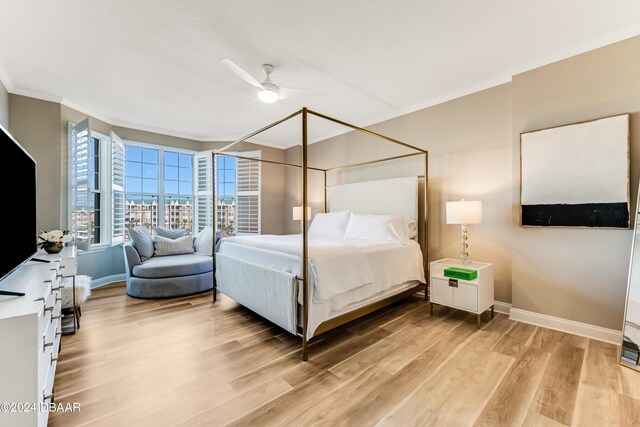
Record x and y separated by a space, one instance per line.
188 362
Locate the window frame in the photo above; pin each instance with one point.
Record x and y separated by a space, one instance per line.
104 162
161 193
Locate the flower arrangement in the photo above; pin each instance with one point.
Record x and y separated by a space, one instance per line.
53 241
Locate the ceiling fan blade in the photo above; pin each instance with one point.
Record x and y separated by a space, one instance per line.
291 92
241 73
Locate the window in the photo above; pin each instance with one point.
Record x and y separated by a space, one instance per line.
248 196
141 186
226 194
237 193
178 189
117 190
158 188
87 158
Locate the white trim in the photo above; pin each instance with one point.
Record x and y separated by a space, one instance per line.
564 325
69 174
502 307
416 107
588 46
103 281
158 147
34 94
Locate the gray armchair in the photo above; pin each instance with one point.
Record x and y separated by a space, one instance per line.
167 276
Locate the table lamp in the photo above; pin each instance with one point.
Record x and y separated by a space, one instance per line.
464 212
297 215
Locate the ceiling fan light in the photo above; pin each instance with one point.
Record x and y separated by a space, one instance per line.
268 96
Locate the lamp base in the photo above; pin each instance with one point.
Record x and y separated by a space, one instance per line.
464 255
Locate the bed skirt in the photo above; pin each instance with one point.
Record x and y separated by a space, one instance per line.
266 291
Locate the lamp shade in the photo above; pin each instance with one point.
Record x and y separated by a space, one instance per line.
297 213
464 212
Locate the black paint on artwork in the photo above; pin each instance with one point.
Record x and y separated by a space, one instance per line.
614 215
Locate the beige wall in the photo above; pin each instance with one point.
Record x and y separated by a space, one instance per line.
469 143
576 274
4 106
36 125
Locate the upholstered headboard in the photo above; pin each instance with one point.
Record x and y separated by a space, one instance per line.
396 196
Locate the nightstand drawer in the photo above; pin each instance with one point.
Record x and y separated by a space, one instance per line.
441 292
466 297
462 295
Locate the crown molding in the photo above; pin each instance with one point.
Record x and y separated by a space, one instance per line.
588 46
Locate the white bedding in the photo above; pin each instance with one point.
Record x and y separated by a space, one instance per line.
336 265
342 272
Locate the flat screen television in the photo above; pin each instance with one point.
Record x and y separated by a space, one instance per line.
18 213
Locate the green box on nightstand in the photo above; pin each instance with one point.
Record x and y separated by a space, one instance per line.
460 273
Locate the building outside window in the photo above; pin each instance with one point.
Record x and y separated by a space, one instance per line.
145 190
226 194
178 190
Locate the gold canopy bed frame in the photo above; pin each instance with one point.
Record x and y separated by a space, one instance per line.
367 309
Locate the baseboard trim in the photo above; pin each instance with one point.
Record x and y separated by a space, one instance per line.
102 281
564 325
502 307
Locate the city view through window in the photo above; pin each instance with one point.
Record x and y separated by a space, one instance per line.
226 194
145 171
143 196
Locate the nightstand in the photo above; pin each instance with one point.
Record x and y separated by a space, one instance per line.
474 296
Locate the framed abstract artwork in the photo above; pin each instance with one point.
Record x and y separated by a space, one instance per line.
576 175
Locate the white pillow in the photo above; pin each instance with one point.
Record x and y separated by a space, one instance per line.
164 246
411 227
331 224
204 242
170 233
385 228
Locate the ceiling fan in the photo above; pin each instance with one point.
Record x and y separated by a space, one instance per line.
269 92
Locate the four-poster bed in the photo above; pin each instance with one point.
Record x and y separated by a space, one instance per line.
267 274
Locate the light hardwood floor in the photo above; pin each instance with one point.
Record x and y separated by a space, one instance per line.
189 362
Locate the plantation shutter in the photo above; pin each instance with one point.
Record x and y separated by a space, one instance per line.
204 193
81 220
117 190
248 194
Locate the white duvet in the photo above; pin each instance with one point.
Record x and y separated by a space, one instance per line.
337 266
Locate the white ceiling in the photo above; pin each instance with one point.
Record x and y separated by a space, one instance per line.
153 64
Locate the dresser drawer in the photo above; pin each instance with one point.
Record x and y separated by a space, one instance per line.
46 396
46 310
68 266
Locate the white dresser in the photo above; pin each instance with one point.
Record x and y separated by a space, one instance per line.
475 296
30 330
